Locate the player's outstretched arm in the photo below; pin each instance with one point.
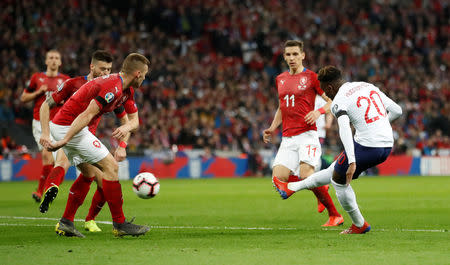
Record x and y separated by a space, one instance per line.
277 120
79 123
345 133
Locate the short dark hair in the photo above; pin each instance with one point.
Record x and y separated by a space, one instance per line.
329 73
102 55
133 61
293 43
52 51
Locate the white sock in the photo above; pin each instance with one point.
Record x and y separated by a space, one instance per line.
317 179
347 198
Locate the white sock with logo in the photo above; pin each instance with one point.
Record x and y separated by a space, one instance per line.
317 179
347 198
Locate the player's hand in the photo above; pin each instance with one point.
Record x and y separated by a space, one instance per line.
45 141
350 171
120 132
43 88
120 154
312 116
53 146
267 135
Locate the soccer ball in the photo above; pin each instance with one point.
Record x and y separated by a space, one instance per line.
145 185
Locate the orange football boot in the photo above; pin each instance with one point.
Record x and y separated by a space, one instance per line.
357 230
334 220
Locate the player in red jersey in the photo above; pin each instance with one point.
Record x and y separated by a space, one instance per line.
69 129
300 149
40 85
101 64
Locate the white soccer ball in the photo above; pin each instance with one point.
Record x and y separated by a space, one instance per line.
145 185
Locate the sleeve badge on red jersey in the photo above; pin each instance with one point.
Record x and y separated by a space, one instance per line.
109 97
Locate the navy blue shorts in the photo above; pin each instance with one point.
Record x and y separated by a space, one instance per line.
366 157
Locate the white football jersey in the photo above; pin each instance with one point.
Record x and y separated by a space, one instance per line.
320 122
365 106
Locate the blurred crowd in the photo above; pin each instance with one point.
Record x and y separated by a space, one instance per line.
214 62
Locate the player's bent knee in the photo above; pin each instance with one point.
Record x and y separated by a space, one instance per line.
111 170
47 157
306 170
281 172
62 161
339 179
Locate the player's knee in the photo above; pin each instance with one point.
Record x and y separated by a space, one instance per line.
306 171
64 163
47 158
337 178
112 170
281 172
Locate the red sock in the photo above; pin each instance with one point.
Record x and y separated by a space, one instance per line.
97 203
55 177
324 197
112 191
77 194
293 178
45 171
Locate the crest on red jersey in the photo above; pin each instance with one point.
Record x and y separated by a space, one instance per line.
302 83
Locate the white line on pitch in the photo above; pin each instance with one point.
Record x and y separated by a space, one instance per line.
209 227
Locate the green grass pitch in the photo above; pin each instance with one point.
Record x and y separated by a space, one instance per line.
237 221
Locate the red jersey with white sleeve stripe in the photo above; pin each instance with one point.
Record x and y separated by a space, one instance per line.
297 94
52 82
108 93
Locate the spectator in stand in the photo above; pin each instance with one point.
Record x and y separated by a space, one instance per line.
218 61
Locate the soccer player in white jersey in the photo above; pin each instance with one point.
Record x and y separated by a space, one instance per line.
370 111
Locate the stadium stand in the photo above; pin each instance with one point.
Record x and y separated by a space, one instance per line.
214 62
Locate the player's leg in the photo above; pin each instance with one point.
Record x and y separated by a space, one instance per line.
54 179
47 161
112 191
317 179
310 152
323 196
284 165
77 194
98 201
366 157
347 199
346 196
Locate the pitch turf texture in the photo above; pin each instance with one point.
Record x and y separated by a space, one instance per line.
237 221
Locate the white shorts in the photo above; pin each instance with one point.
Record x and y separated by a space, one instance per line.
304 147
37 132
84 147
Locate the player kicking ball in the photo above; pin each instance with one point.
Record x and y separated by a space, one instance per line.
70 130
370 111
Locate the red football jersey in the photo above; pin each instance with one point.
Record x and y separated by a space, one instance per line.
66 89
297 94
109 95
39 79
